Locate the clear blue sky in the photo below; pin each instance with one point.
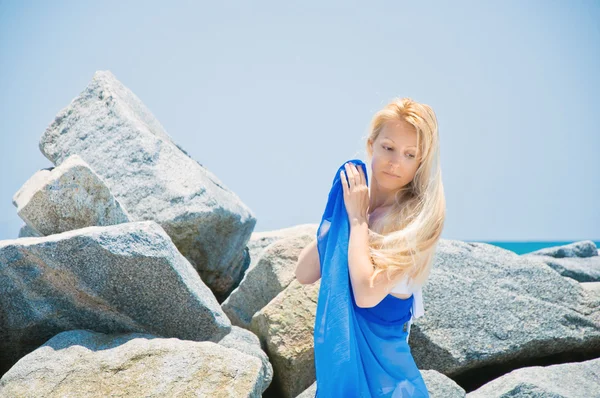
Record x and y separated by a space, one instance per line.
273 97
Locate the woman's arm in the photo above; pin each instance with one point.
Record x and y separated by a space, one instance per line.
359 262
361 268
308 268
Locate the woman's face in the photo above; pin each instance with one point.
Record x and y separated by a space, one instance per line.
395 157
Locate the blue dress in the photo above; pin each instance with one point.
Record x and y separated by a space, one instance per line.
359 352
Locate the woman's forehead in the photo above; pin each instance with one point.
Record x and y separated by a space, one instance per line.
399 131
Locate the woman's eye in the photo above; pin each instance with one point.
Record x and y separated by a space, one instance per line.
410 155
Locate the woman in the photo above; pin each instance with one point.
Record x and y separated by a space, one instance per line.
374 251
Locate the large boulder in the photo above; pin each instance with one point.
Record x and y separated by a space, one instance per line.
121 278
577 260
70 196
579 379
87 364
285 328
110 128
488 307
441 386
584 248
248 343
259 241
272 273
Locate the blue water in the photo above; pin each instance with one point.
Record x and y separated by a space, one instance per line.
527 247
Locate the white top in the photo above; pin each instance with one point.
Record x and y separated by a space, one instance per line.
403 288
417 291
418 308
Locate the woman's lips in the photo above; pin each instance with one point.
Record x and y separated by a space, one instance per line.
391 175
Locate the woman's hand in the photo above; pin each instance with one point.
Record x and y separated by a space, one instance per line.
356 192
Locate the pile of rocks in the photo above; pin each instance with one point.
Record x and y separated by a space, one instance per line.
137 273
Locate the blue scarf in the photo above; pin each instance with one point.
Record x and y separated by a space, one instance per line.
359 352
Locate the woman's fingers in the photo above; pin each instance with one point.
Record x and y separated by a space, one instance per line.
352 173
361 176
344 182
352 177
348 177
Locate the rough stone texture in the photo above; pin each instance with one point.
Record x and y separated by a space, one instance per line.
67 197
153 178
259 241
87 364
120 278
285 328
272 273
310 392
438 386
578 260
581 269
485 305
248 343
25 232
593 288
584 248
579 379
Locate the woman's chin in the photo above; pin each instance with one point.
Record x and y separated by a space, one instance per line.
388 187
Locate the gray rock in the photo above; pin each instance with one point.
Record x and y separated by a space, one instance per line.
582 269
248 343
441 386
153 178
578 260
310 392
486 306
272 273
86 364
592 293
259 241
580 379
25 231
592 287
70 196
121 278
584 248
285 328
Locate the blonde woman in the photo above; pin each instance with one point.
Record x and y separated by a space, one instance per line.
374 252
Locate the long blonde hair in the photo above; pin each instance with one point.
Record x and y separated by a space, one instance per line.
408 233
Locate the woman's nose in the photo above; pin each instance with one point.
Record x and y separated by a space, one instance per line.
394 168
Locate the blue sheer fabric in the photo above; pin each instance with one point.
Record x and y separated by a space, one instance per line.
359 352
